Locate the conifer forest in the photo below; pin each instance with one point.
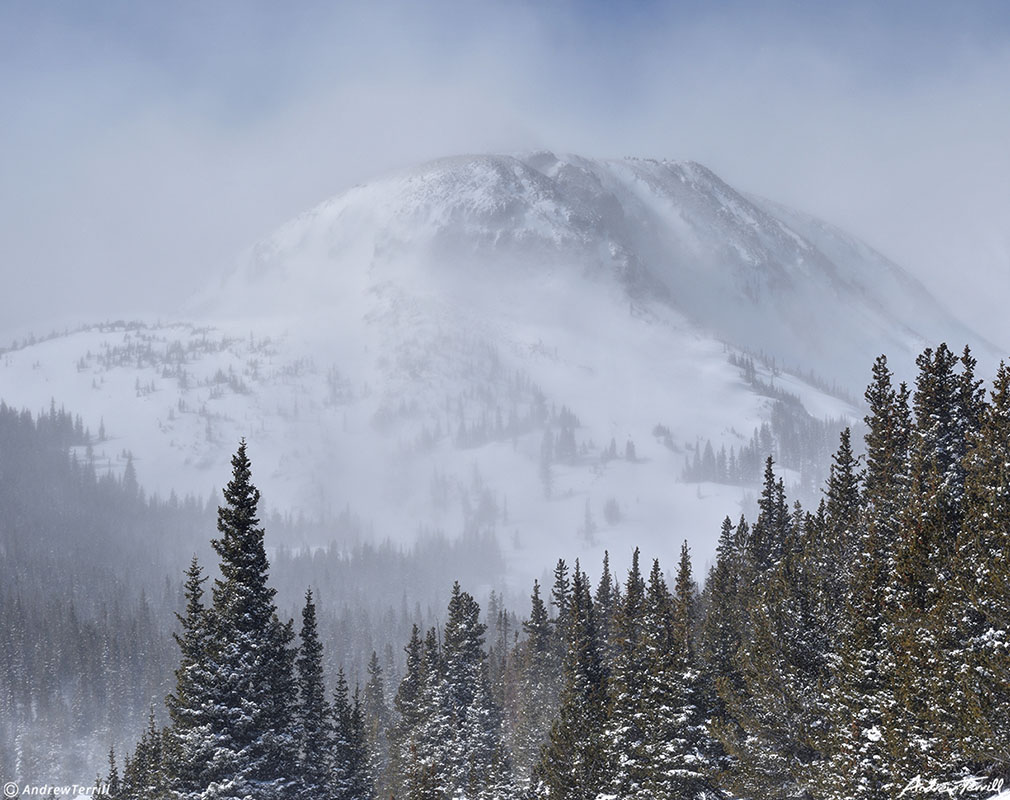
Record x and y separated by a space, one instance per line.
857 649
505 400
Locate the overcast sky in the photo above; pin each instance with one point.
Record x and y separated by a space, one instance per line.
143 146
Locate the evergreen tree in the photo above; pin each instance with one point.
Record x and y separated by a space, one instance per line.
677 744
606 601
723 624
472 751
769 534
776 712
350 778
313 716
561 598
146 774
977 601
253 697
376 720
918 670
190 740
573 763
537 697
409 712
842 517
112 785
862 727
626 725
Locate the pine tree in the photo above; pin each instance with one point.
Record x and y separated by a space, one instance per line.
769 534
561 599
573 764
606 600
930 520
863 725
252 699
342 757
782 660
409 711
376 720
722 627
537 698
112 786
842 518
361 782
313 716
472 751
626 725
977 601
857 756
190 742
145 776
678 746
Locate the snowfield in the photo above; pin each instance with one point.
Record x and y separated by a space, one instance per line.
401 350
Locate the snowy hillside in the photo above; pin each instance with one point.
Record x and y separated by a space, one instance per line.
534 346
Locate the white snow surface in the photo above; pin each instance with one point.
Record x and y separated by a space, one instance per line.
350 346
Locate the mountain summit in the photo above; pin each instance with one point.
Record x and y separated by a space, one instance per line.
744 270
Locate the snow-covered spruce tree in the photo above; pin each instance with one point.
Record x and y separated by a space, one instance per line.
420 776
314 724
775 716
251 701
626 725
767 541
856 740
978 599
447 740
835 549
918 668
189 739
561 598
350 777
537 696
467 723
721 633
233 730
145 775
677 749
606 600
409 712
376 719
723 623
573 764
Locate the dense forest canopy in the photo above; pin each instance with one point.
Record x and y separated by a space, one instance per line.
859 649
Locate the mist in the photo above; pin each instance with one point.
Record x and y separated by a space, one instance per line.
144 151
420 259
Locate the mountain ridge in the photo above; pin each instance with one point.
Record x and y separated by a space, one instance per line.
501 343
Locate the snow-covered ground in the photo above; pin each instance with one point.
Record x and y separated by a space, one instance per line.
389 350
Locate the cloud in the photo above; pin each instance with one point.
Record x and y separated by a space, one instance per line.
145 148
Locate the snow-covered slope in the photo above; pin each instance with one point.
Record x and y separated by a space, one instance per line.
746 271
404 349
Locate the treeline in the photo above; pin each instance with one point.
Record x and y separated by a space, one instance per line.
851 651
251 715
91 575
797 440
859 650
84 647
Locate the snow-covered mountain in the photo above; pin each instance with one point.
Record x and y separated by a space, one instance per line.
534 345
